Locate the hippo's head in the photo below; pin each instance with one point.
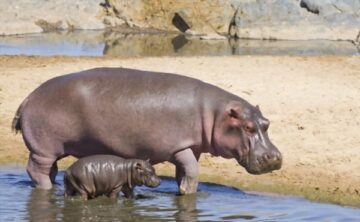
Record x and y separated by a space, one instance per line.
241 133
144 174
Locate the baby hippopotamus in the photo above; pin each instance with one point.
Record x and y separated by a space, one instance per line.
97 175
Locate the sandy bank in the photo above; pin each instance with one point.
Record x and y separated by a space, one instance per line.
312 102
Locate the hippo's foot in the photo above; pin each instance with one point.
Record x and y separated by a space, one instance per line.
188 185
113 195
84 196
186 171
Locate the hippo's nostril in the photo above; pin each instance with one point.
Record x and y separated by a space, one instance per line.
271 158
266 157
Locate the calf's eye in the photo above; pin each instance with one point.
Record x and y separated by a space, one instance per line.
249 129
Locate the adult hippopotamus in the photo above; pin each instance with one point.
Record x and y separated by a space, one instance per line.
144 115
97 175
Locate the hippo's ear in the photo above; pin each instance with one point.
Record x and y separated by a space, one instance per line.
234 117
234 113
138 166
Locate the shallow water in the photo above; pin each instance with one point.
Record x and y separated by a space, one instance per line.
98 43
19 201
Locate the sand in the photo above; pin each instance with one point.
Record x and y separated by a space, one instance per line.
313 104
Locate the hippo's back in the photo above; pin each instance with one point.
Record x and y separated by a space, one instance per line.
124 112
96 165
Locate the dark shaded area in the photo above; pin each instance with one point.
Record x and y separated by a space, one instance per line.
180 23
308 7
178 42
243 217
105 4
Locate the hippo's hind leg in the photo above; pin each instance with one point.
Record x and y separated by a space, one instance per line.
39 169
44 152
69 188
186 171
72 188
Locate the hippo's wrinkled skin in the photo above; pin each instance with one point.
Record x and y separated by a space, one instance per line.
97 175
142 115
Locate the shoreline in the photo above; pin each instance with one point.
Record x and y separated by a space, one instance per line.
311 102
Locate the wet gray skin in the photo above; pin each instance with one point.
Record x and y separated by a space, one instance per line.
108 175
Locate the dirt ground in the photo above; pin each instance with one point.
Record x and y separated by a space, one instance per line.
313 104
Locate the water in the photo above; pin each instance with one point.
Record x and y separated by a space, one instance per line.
98 43
19 201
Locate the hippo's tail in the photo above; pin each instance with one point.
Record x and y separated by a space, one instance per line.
16 124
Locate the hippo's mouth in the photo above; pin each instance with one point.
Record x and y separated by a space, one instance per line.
258 159
251 165
256 165
244 162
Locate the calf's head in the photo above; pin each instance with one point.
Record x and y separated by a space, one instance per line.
241 132
144 174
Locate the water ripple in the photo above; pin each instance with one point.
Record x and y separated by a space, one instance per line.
21 202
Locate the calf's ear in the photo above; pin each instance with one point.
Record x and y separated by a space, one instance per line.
138 166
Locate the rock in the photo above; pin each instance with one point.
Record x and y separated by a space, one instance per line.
193 33
179 21
199 16
257 19
49 26
294 20
27 16
212 37
331 7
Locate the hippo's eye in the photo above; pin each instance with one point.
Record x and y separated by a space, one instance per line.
264 124
266 127
249 127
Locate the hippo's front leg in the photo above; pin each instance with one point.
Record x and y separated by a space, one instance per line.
186 171
128 192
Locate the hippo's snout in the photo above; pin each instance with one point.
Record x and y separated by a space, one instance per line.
262 160
154 181
272 160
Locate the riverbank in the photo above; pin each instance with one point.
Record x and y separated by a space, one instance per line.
312 102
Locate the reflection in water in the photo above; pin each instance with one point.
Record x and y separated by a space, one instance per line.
178 42
186 208
181 45
98 43
41 206
50 205
21 202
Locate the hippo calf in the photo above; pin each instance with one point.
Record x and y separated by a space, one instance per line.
97 175
143 115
